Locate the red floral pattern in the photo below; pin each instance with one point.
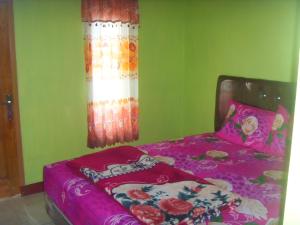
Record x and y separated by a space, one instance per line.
147 214
198 212
138 194
197 189
112 121
111 65
175 206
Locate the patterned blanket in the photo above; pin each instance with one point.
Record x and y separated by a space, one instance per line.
153 191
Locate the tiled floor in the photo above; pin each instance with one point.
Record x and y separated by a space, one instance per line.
28 210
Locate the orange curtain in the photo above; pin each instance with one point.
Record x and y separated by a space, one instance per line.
111 64
110 10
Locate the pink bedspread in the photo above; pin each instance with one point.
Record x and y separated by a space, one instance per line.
256 177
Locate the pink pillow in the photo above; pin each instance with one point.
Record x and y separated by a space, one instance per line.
247 125
276 141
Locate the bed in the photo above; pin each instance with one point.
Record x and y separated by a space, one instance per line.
71 199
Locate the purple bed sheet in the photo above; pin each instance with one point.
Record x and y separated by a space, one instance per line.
255 176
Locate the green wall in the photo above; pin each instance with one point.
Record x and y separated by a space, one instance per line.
161 69
51 82
52 91
254 38
184 46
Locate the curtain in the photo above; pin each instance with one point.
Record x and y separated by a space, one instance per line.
111 64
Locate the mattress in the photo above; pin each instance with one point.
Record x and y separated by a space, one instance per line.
255 176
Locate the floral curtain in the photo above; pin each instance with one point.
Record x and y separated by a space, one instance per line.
111 64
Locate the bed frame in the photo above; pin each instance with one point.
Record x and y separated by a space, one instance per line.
264 94
55 213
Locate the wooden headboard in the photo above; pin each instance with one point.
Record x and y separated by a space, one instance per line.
264 94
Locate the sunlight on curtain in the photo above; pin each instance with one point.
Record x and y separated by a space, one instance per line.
111 63
292 211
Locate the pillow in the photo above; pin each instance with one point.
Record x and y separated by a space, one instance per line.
247 125
276 141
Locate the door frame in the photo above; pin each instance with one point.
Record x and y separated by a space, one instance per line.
16 120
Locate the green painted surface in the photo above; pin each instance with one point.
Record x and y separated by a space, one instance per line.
51 83
183 48
52 89
161 69
252 38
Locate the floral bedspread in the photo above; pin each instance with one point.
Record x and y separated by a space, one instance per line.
254 176
153 191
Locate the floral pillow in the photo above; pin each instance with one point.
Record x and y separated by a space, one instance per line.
246 125
276 141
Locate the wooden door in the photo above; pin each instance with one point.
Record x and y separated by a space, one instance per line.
11 166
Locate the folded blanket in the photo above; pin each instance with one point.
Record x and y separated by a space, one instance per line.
154 192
